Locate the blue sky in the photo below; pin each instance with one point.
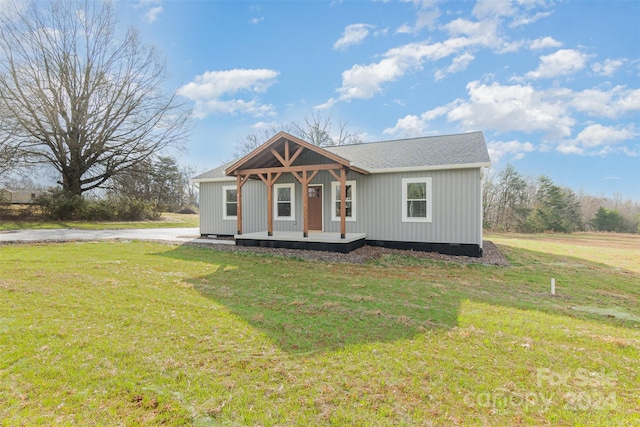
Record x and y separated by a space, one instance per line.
554 85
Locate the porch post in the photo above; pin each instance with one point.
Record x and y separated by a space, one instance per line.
239 207
269 205
269 180
305 179
305 205
343 203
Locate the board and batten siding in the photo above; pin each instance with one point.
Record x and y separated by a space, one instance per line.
456 207
254 217
254 208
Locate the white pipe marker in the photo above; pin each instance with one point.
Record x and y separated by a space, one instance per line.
553 286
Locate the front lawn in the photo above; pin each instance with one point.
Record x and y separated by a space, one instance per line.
139 333
167 220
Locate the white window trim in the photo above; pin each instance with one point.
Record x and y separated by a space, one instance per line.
224 202
405 216
292 186
336 198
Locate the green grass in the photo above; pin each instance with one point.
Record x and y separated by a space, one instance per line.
139 333
168 220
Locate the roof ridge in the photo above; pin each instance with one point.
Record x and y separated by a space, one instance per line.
403 139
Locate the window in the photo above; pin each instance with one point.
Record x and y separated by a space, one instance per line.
229 202
284 201
416 200
350 202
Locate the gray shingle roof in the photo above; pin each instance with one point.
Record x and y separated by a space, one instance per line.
425 152
430 151
216 173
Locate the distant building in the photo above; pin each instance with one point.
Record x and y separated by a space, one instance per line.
19 197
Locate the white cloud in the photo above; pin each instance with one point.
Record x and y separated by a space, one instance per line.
440 111
513 108
426 16
610 103
517 149
459 63
508 47
153 13
365 81
562 62
211 91
609 67
353 35
412 125
261 126
597 135
408 126
544 43
522 108
493 8
326 105
256 21
153 9
526 19
481 32
521 12
404 29
215 106
568 148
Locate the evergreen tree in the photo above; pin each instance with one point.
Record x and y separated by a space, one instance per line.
556 209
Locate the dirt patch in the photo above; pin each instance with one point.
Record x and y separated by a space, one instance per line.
491 254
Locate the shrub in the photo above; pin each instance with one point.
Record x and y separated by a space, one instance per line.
63 206
130 209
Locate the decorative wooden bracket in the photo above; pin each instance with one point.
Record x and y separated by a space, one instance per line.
288 160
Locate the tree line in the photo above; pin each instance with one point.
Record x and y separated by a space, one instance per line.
512 202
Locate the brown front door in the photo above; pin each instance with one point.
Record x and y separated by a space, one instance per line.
315 208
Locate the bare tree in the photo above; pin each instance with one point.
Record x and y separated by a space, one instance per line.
316 130
505 200
8 157
80 95
254 139
191 190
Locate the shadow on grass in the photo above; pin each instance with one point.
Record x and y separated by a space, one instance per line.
315 306
312 306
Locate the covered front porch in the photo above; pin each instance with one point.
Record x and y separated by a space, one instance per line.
285 154
315 241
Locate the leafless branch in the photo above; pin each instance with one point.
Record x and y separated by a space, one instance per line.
82 96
